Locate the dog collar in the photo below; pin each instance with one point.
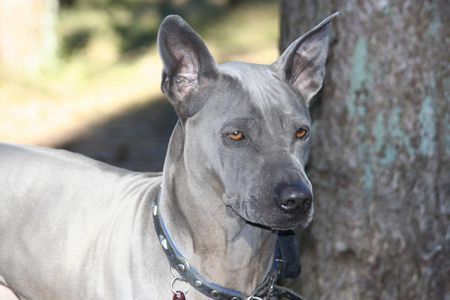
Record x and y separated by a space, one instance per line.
266 290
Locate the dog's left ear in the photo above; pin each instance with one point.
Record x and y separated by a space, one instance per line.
186 59
302 64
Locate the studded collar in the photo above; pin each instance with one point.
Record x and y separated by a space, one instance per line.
266 290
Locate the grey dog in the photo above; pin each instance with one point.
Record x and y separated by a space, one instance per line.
75 228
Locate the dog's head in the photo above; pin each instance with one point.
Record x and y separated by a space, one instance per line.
247 127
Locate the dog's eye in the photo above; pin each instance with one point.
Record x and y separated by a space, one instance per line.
236 135
301 133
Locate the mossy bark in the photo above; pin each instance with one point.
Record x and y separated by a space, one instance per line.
380 159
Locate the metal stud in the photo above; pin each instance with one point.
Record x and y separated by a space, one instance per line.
214 294
198 283
163 242
181 267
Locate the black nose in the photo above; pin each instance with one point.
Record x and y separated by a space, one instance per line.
295 198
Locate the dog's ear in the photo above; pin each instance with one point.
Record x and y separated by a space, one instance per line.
186 59
302 64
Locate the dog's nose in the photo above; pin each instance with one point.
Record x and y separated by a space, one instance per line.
295 198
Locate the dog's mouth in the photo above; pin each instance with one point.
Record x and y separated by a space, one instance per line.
269 217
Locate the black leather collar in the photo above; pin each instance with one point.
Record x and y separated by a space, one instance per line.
266 290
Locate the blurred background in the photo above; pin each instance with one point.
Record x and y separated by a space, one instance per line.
84 75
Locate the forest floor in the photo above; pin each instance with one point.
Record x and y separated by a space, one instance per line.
106 103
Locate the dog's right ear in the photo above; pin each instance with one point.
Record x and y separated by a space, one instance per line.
186 59
302 64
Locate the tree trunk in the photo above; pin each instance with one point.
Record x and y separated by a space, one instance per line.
380 159
27 34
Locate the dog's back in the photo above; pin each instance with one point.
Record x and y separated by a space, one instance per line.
64 209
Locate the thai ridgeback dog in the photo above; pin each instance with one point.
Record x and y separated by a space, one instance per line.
75 228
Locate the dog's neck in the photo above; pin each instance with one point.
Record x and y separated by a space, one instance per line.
217 242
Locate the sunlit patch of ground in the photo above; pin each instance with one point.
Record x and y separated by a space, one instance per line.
98 83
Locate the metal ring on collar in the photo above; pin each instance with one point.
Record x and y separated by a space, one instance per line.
179 278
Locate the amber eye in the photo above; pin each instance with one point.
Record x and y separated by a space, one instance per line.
301 133
236 135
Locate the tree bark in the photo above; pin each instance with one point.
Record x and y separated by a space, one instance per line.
380 158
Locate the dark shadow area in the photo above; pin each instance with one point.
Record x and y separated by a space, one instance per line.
199 13
135 140
75 42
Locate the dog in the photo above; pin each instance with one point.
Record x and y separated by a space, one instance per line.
75 228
